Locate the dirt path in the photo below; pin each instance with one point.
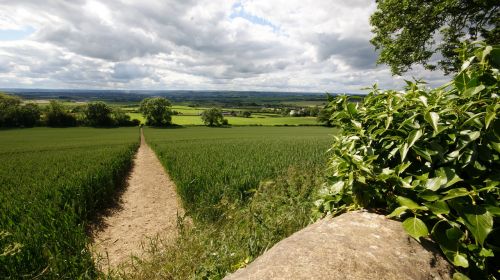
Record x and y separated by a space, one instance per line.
148 207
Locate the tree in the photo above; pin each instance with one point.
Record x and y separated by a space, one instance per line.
212 117
14 114
326 112
406 31
157 111
57 116
28 115
8 105
98 114
246 114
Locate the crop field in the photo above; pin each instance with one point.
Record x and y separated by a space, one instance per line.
209 164
52 181
255 119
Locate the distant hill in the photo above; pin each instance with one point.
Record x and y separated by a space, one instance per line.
177 96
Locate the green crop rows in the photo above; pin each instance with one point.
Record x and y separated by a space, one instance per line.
209 164
52 181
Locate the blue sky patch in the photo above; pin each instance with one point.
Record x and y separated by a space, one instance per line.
12 35
239 11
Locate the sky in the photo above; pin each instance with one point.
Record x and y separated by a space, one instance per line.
279 45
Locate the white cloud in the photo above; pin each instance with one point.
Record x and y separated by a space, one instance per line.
167 44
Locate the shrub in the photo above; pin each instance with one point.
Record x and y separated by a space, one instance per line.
432 157
98 114
14 114
57 116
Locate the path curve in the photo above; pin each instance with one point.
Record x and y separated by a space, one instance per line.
149 207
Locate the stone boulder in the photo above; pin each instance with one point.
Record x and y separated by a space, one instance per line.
355 245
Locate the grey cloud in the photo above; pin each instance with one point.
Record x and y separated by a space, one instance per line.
126 71
356 52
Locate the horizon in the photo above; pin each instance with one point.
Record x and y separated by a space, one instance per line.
283 46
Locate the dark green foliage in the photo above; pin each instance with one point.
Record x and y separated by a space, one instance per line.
14 114
98 114
212 117
157 111
430 156
325 113
246 114
406 31
120 118
57 116
51 182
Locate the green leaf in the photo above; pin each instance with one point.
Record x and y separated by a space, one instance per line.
432 118
454 234
460 276
428 195
461 260
414 136
415 228
438 207
486 253
473 90
453 193
448 175
479 222
410 204
397 212
422 152
495 211
403 151
356 124
490 116
435 183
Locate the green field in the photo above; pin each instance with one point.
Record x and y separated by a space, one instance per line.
256 119
209 164
52 181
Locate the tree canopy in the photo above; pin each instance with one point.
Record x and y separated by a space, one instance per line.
15 114
157 111
98 114
428 32
212 117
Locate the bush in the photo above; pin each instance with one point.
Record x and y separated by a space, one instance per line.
57 116
432 157
120 118
14 114
98 114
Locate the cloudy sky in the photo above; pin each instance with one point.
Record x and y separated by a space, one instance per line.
282 45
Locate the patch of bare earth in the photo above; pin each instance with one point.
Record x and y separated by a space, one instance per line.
148 208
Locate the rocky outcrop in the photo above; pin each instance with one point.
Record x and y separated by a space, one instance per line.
355 245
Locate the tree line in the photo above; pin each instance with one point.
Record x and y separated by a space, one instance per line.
15 113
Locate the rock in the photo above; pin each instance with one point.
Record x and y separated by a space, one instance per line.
355 245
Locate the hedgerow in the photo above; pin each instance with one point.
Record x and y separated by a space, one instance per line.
430 157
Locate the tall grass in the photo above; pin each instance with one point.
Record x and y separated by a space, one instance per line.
209 164
51 182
